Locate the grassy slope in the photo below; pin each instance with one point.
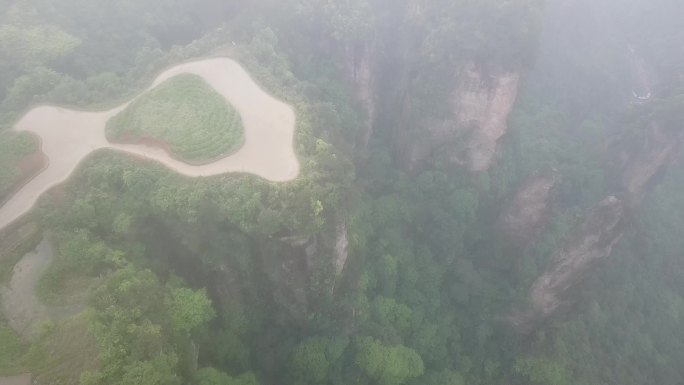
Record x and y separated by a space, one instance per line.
184 112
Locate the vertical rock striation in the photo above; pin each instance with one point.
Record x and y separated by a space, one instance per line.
523 219
589 242
482 105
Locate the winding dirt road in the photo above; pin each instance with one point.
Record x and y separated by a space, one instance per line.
68 136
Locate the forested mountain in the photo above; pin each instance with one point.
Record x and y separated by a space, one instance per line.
487 193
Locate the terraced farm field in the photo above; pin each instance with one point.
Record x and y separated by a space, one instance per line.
184 115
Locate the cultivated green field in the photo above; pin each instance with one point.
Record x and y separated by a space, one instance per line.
185 113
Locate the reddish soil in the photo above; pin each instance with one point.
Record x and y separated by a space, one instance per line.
145 141
148 142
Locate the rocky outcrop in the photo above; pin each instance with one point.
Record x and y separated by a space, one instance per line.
642 76
589 242
360 75
341 246
655 152
523 219
478 107
482 104
639 153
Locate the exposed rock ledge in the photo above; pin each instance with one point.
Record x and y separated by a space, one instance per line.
482 104
341 246
589 242
655 153
594 239
524 218
360 75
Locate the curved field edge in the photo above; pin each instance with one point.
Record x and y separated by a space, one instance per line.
183 115
21 160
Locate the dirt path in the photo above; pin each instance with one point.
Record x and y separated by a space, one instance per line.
68 136
23 379
20 304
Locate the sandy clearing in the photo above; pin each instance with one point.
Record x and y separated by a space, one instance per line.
68 136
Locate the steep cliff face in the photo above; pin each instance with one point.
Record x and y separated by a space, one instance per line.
643 157
523 219
589 242
602 228
478 107
341 246
481 106
626 89
440 83
359 72
656 152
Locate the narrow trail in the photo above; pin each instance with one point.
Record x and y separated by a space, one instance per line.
68 136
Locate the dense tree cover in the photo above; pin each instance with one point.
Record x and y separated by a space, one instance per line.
211 376
143 329
81 259
230 280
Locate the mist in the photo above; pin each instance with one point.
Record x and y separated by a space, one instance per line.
371 192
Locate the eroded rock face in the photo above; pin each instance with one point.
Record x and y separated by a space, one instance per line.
589 242
655 153
482 105
360 75
341 246
479 104
596 236
524 218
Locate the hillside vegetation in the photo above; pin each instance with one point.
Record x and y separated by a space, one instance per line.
361 271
